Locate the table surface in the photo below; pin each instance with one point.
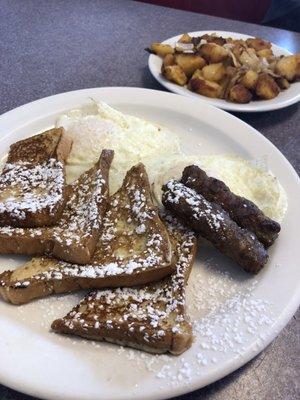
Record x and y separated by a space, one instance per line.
49 47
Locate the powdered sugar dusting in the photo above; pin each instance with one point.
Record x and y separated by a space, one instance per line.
146 314
27 188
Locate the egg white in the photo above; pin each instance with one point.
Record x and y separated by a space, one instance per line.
98 126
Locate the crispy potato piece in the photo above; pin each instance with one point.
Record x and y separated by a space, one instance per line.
239 94
185 38
205 87
258 44
189 63
169 59
282 83
175 74
213 53
161 49
289 67
249 79
266 87
267 53
197 74
214 72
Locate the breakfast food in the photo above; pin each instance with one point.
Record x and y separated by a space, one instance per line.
151 318
243 211
75 236
235 70
32 184
133 249
214 224
137 259
137 140
133 140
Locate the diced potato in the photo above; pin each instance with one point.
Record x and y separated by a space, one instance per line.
213 53
189 63
266 87
282 83
205 87
169 59
258 44
266 53
249 79
239 94
289 67
214 72
197 74
161 49
185 38
175 74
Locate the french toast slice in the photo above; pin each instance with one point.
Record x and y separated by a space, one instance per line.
151 318
32 184
75 236
133 249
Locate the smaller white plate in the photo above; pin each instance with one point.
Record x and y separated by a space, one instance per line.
284 99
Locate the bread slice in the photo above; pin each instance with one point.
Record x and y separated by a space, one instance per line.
151 318
133 249
32 184
75 236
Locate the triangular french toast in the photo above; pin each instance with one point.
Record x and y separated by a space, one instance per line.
75 236
133 249
32 184
150 318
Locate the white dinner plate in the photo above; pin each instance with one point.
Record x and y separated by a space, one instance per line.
235 315
284 99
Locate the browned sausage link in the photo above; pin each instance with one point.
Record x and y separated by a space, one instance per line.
244 212
215 225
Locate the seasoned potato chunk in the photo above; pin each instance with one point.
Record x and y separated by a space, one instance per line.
239 94
169 59
214 72
197 74
189 63
289 67
258 44
185 38
266 87
161 49
249 79
175 74
213 53
282 83
267 53
205 87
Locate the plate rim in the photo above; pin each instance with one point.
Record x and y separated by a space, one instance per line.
227 106
288 309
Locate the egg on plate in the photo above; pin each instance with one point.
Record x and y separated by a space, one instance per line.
134 140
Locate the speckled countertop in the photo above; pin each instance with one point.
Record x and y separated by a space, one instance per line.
49 47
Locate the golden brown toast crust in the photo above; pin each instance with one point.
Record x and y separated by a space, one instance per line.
151 318
133 249
32 184
75 237
40 148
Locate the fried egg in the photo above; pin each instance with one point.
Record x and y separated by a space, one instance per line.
133 139
98 126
